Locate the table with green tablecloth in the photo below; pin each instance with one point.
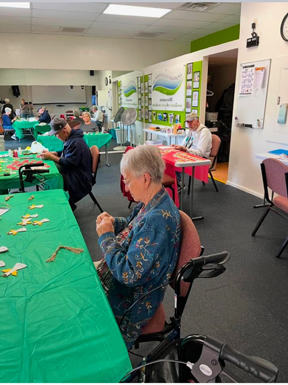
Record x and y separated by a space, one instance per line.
98 139
56 323
19 125
41 129
52 180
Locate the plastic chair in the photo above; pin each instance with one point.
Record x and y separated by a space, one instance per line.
95 154
216 143
275 176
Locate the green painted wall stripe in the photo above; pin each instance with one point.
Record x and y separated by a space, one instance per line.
220 37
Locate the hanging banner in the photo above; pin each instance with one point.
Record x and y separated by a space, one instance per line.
168 89
129 92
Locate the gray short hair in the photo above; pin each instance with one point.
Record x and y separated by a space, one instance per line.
86 113
94 108
144 159
8 110
76 113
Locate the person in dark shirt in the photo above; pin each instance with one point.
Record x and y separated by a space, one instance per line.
75 161
7 121
9 105
44 116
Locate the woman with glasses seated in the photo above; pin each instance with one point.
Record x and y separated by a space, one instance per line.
88 125
141 251
8 121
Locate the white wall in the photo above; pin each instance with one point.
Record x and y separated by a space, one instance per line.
85 53
244 168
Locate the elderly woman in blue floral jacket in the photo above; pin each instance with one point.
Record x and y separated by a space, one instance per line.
140 252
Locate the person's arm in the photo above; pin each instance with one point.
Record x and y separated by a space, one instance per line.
202 144
131 267
50 156
72 157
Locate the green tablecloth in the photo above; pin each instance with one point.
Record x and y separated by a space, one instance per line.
55 144
19 125
41 129
53 179
56 323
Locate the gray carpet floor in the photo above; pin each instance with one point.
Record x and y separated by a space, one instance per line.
247 305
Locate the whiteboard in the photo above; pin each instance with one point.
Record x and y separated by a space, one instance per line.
252 94
58 94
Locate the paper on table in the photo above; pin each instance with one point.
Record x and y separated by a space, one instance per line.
3 211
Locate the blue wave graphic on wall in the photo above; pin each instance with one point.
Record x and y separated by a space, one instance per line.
129 89
167 87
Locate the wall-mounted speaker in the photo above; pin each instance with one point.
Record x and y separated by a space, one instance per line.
93 90
16 91
91 73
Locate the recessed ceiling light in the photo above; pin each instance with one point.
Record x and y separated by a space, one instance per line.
129 10
15 5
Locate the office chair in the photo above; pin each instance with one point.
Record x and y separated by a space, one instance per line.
275 177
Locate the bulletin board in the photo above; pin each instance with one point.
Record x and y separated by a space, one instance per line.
252 94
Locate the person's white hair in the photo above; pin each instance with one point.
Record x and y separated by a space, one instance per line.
7 100
94 108
8 110
76 113
86 113
144 159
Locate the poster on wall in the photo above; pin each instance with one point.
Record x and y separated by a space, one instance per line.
195 98
188 105
247 79
189 88
189 71
196 79
168 89
129 92
150 116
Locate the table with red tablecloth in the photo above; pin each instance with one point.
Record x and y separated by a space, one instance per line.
192 165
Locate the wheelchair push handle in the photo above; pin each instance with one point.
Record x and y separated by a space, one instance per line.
218 258
258 367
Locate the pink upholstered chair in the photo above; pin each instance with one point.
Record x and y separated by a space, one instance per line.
190 249
275 177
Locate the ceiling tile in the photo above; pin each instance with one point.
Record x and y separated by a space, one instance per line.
65 15
73 7
15 28
226 8
174 30
45 28
218 26
233 19
116 26
15 12
180 23
15 20
126 19
109 32
167 36
195 16
61 22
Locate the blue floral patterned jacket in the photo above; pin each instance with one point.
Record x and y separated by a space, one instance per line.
145 260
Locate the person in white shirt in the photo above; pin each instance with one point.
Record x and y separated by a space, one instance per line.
97 117
198 141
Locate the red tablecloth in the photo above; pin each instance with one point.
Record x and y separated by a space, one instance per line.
172 156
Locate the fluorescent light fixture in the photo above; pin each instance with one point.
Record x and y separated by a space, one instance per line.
129 10
14 5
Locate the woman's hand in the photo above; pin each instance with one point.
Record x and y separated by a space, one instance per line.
104 226
180 148
105 215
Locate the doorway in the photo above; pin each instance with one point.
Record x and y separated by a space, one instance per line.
222 69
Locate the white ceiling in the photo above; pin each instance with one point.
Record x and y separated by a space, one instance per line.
177 25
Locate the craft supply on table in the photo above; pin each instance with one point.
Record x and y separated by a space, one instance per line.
72 249
14 232
32 207
9 197
15 268
32 197
39 223
30 216
3 249
2 263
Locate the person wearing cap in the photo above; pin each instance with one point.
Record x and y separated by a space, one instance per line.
44 116
8 121
75 162
198 141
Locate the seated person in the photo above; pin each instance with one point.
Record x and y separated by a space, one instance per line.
88 125
44 116
77 114
198 141
9 105
98 116
140 252
26 109
75 161
7 121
